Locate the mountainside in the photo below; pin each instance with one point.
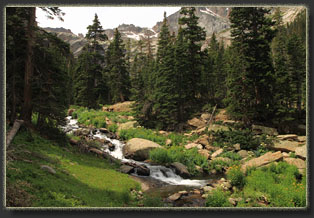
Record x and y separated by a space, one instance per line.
212 19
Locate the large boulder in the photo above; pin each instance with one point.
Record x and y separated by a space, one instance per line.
138 149
205 117
127 169
291 137
193 145
300 164
119 107
127 125
263 160
243 153
216 153
285 146
195 122
204 153
180 169
301 152
221 116
216 127
203 140
257 129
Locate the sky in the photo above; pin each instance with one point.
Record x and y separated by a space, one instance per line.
78 18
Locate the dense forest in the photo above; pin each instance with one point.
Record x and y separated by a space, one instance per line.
260 78
75 146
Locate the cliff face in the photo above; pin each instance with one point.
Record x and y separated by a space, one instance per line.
213 19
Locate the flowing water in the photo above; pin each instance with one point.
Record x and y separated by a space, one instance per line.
161 173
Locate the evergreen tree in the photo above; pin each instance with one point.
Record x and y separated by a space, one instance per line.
252 33
213 75
141 80
15 59
192 36
182 72
282 88
95 34
288 50
165 97
119 81
22 36
297 71
89 84
49 87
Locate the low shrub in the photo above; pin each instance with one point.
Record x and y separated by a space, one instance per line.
113 128
231 155
281 184
244 137
152 201
190 158
160 155
219 165
217 198
143 133
236 176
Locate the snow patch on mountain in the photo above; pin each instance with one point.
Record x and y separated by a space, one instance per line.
210 12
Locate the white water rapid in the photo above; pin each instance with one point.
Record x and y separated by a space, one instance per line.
161 173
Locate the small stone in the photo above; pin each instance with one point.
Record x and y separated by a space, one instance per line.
174 197
222 179
168 142
288 137
232 201
196 191
243 153
126 169
302 138
208 188
213 171
237 147
205 196
227 185
204 153
285 154
193 145
216 153
48 169
183 192
205 117
301 152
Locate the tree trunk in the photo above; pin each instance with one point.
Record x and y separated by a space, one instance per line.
29 67
16 126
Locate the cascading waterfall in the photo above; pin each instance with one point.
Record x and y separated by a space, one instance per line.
161 173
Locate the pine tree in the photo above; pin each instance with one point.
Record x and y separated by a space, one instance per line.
213 75
252 33
15 59
49 87
297 70
22 33
282 88
119 81
165 97
95 34
192 36
89 83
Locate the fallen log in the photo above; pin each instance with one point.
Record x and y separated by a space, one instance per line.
16 126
